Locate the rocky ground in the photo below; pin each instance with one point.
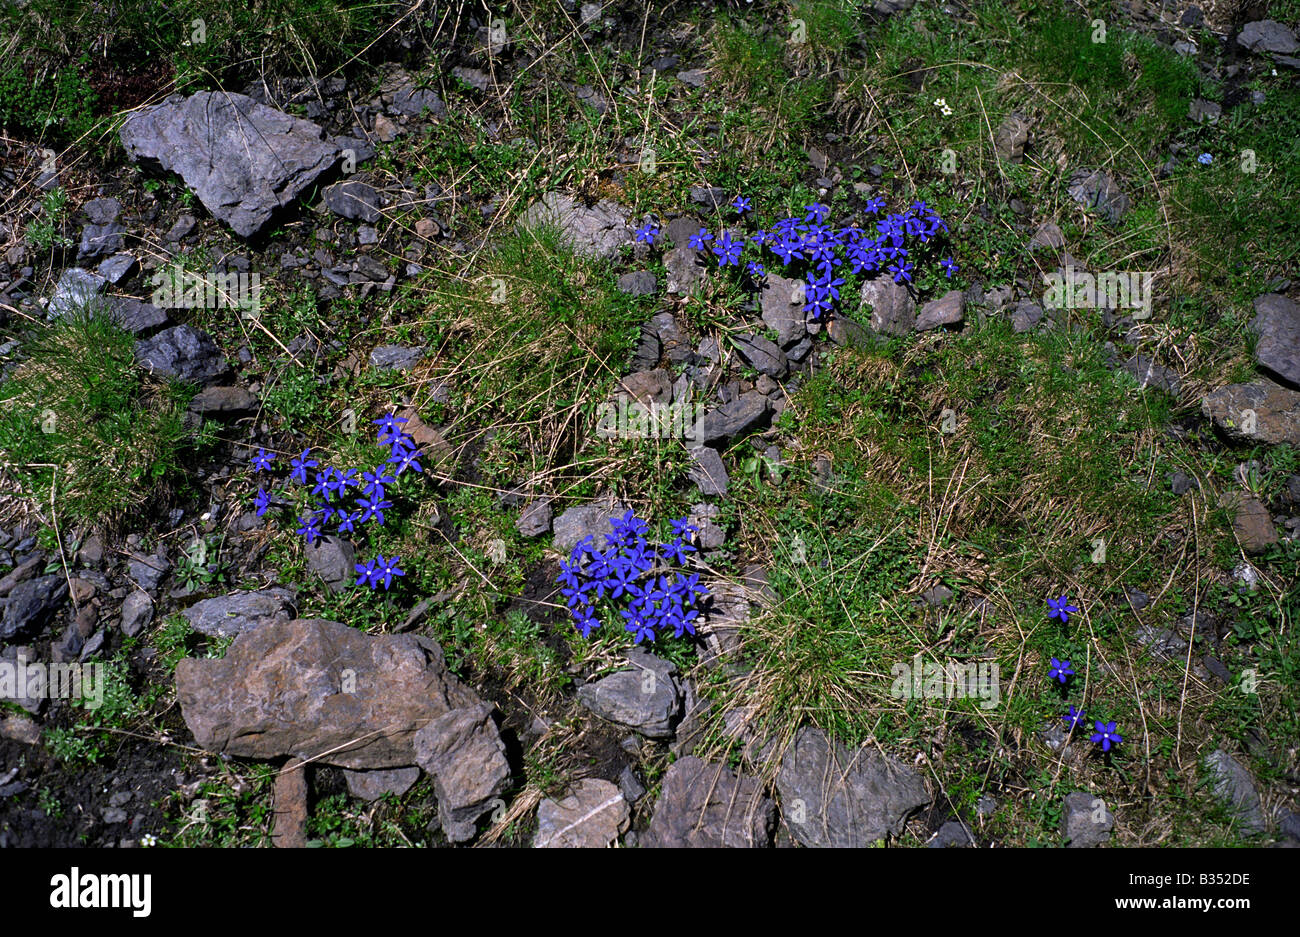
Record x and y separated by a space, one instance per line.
445 228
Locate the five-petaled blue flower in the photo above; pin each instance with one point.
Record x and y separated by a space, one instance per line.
1061 608
741 204
261 502
299 467
1073 717
262 461
1060 670
647 232
1106 735
949 267
696 241
728 250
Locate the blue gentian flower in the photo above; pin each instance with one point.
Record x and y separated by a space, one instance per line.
647 232
262 461
948 266
1073 717
741 204
1106 735
299 467
1205 159
696 241
1060 670
261 502
1061 608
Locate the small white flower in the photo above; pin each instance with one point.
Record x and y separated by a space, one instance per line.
148 840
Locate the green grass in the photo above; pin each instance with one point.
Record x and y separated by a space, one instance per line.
81 424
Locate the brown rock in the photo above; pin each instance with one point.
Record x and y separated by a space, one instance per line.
319 690
590 816
289 797
1254 413
464 752
1251 522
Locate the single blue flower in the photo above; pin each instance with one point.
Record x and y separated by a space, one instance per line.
375 481
365 574
261 502
1205 159
1106 735
816 212
902 271
1061 608
874 205
727 250
741 204
1073 717
647 232
949 267
385 570
309 528
299 467
696 241
1060 670
346 521
407 460
374 507
755 269
262 461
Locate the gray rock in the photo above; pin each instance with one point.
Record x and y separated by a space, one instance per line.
638 283
832 797
707 471
893 311
1235 787
1095 189
76 288
236 613
353 200
948 309
645 697
1010 139
952 833
729 422
535 519
692 77
321 690
709 535
1085 820
592 815
586 520
184 353
762 355
681 229
712 197
372 785
1268 36
589 13
704 805
598 231
1253 413
30 605
1149 374
333 559
781 303
102 211
630 785
684 270
100 241
242 159
464 753
1277 324
1025 315
648 387
410 101
223 400
181 229
137 612
1048 235
117 268
846 333
138 318
148 571
1202 111
476 78
1181 483
395 357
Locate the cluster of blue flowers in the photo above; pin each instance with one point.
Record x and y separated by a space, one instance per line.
332 490
1061 671
827 253
642 575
